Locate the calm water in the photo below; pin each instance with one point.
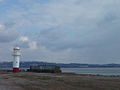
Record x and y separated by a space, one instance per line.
101 71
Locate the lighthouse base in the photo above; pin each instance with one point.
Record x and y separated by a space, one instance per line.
16 69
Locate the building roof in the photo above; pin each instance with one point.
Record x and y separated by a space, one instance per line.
16 48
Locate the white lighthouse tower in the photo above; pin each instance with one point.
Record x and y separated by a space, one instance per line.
16 55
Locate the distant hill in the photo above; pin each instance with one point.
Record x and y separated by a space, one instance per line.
70 65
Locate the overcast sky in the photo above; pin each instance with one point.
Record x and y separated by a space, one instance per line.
63 31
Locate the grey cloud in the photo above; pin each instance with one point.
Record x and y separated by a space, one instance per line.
23 45
96 34
82 31
7 34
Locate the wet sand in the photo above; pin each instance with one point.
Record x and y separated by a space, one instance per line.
63 81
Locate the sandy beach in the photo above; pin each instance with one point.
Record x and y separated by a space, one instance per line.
63 81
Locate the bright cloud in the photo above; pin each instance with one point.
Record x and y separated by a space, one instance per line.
33 45
23 38
27 43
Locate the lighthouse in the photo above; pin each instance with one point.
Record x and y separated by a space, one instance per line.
16 56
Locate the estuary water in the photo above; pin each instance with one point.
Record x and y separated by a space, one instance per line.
94 71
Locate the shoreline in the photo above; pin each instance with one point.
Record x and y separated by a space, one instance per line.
67 73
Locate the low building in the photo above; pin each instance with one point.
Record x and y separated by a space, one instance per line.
45 68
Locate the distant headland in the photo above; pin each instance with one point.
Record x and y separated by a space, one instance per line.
26 64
